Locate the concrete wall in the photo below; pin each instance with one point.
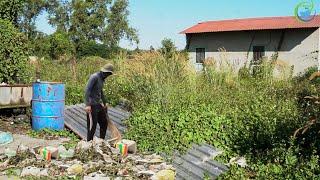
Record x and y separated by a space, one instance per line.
300 47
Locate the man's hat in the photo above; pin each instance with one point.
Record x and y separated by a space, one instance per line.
107 68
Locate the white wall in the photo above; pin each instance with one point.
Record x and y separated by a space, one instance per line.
296 50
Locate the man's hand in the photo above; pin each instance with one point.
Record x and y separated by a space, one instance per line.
88 109
105 107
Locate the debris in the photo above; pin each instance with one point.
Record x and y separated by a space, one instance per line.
64 153
146 173
164 175
123 172
22 148
241 161
44 172
94 176
132 145
91 160
4 164
5 138
21 118
123 148
54 151
75 169
152 161
45 154
84 145
10 153
30 171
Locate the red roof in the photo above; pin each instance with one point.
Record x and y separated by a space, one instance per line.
265 23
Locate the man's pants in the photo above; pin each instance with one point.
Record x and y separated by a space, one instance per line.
98 115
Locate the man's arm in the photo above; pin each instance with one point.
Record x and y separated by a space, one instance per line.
90 85
103 98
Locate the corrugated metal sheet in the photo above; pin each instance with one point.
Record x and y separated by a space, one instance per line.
197 162
15 96
76 119
266 23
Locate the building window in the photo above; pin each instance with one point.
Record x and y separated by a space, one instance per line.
201 55
258 53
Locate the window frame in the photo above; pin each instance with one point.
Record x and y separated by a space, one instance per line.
258 54
203 50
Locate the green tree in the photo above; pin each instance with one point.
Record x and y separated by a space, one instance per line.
60 45
10 9
92 20
167 47
28 15
118 25
13 53
59 14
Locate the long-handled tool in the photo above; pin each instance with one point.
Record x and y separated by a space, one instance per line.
115 133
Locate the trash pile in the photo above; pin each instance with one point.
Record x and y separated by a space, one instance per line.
96 159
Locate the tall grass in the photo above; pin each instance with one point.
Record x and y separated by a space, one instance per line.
174 106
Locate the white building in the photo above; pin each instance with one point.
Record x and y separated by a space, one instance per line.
240 41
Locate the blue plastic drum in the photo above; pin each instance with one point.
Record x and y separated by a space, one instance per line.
48 102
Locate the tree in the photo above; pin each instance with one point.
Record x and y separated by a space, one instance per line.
10 9
151 48
59 14
168 48
60 45
28 15
92 20
13 53
118 25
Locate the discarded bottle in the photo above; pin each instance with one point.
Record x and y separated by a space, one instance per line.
45 154
123 148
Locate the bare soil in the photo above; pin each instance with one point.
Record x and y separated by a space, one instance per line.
8 124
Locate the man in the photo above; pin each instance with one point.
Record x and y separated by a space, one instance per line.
96 103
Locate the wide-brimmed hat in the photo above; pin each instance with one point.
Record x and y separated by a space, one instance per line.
108 68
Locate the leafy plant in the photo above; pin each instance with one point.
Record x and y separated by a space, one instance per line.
13 54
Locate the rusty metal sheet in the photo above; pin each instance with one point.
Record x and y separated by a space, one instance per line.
15 96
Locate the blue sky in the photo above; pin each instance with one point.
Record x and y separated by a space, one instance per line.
158 19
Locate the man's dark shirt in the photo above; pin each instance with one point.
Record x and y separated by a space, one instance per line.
94 90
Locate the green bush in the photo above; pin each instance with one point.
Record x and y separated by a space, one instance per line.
41 46
91 48
61 45
13 54
9 10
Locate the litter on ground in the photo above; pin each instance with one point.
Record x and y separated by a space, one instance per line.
90 160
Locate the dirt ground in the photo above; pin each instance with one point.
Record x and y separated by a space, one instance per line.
10 125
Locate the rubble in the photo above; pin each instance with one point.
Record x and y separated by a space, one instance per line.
90 160
164 175
33 171
75 169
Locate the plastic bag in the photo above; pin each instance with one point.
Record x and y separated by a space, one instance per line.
5 138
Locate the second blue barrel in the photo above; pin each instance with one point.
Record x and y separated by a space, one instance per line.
48 101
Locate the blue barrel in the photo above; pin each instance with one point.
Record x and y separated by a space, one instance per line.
48 106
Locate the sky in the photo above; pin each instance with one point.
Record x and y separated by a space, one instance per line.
159 19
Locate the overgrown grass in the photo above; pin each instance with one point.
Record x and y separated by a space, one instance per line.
173 107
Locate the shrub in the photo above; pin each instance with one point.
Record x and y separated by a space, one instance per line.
13 54
91 48
61 45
